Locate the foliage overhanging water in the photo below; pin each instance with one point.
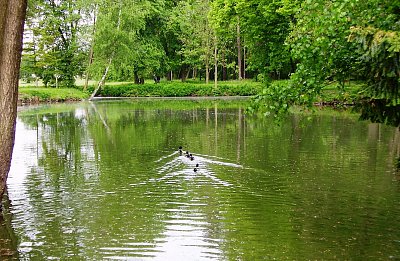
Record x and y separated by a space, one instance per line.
104 180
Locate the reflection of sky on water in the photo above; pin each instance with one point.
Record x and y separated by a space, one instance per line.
186 238
26 141
25 172
22 162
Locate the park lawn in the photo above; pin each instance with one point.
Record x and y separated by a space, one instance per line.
41 94
330 93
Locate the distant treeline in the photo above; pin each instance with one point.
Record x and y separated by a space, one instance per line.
309 42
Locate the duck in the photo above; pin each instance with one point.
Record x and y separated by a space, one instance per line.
191 157
196 168
180 150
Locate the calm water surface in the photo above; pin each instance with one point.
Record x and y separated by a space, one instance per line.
103 181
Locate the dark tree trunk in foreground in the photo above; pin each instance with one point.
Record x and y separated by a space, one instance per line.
12 17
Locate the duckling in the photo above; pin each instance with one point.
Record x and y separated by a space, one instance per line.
187 155
180 150
196 168
191 157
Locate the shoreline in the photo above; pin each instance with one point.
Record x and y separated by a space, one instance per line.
37 101
174 98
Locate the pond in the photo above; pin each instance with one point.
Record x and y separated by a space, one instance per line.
105 181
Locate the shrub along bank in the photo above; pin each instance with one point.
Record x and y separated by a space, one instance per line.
32 95
331 94
179 89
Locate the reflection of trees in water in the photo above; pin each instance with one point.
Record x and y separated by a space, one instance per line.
382 111
330 155
8 240
48 211
108 150
379 111
102 146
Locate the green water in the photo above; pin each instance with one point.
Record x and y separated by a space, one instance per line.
104 180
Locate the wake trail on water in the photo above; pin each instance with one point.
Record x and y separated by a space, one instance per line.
177 165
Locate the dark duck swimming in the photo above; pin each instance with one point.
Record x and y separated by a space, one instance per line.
187 154
196 168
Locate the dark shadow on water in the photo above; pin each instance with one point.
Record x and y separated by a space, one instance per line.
379 111
8 240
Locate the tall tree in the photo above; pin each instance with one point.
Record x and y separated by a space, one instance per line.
55 27
92 12
127 40
227 24
111 55
376 32
264 25
12 17
188 22
319 42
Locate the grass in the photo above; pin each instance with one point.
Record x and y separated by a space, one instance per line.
32 94
41 94
330 94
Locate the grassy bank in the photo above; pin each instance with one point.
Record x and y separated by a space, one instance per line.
330 94
333 94
29 94
182 89
32 95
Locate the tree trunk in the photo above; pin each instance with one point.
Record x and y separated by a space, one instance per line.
224 70
207 63
239 49
184 72
12 17
207 71
102 81
244 62
215 63
136 77
187 73
170 76
90 52
194 73
87 69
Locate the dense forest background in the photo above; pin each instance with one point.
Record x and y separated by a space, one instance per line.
309 42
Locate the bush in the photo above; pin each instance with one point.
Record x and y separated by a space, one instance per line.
179 89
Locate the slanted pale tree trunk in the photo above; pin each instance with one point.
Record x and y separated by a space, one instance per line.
110 59
12 17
